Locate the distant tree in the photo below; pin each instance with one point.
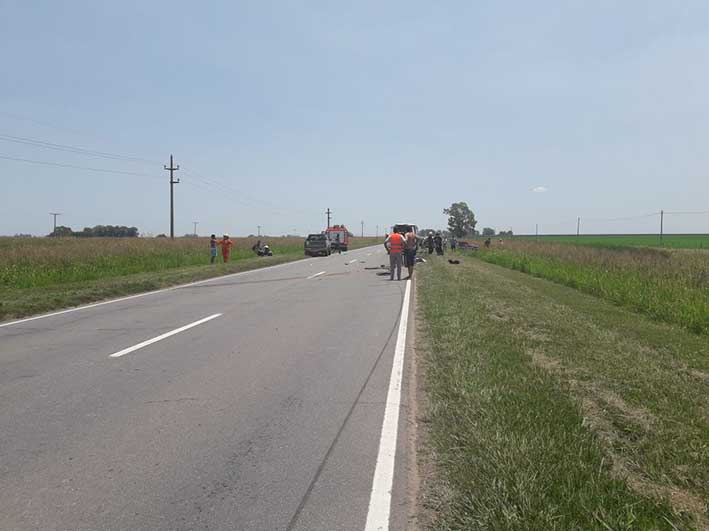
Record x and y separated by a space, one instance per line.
161 236
461 220
62 232
505 233
108 231
487 231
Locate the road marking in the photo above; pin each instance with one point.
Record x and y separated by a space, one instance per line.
352 261
154 292
316 275
380 498
163 336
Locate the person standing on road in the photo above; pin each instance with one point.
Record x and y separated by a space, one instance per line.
212 248
395 245
226 245
410 245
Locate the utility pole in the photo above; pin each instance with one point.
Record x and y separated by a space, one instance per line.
195 227
55 214
662 225
172 169
536 231
329 215
578 227
259 230
377 231
362 229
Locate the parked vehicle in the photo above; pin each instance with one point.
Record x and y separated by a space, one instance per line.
317 245
468 245
403 228
339 237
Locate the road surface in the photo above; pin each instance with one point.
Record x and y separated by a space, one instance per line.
253 401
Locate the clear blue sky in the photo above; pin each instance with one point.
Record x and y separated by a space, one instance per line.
382 111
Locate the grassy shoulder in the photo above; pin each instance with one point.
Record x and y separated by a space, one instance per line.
551 409
21 302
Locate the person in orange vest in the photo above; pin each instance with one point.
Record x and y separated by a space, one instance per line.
394 244
226 245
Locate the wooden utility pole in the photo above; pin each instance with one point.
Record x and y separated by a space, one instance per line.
195 227
55 214
329 215
578 228
259 230
172 169
362 229
536 231
662 225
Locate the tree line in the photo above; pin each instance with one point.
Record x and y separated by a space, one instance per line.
98 231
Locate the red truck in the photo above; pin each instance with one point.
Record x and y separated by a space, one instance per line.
339 237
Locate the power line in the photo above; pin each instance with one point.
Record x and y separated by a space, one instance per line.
71 149
76 167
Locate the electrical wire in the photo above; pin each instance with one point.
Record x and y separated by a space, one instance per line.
76 167
71 149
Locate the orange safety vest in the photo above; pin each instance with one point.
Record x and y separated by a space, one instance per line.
396 243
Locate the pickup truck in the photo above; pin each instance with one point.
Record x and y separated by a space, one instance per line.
317 245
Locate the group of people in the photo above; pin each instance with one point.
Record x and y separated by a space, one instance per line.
226 244
435 242
402 250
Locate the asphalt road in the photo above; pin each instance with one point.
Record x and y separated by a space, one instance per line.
266 416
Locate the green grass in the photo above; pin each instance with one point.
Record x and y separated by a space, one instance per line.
673 241
43 274
670 286
550 409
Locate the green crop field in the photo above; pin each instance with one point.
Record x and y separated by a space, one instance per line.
674 241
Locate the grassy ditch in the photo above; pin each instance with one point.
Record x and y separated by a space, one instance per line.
670 286
43 274
550 409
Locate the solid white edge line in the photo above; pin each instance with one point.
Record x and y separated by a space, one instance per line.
162 336
352 261
316 275
380 498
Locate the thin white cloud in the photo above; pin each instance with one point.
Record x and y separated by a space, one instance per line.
539 189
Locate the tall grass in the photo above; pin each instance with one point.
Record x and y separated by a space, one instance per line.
670 286
38 262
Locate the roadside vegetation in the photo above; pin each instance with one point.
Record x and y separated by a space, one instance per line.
551 409
667 285
43 274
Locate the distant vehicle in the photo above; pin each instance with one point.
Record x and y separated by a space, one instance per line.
403 228
339 237
317 245
468 245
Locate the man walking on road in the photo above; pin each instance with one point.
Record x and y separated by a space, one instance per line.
395 245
